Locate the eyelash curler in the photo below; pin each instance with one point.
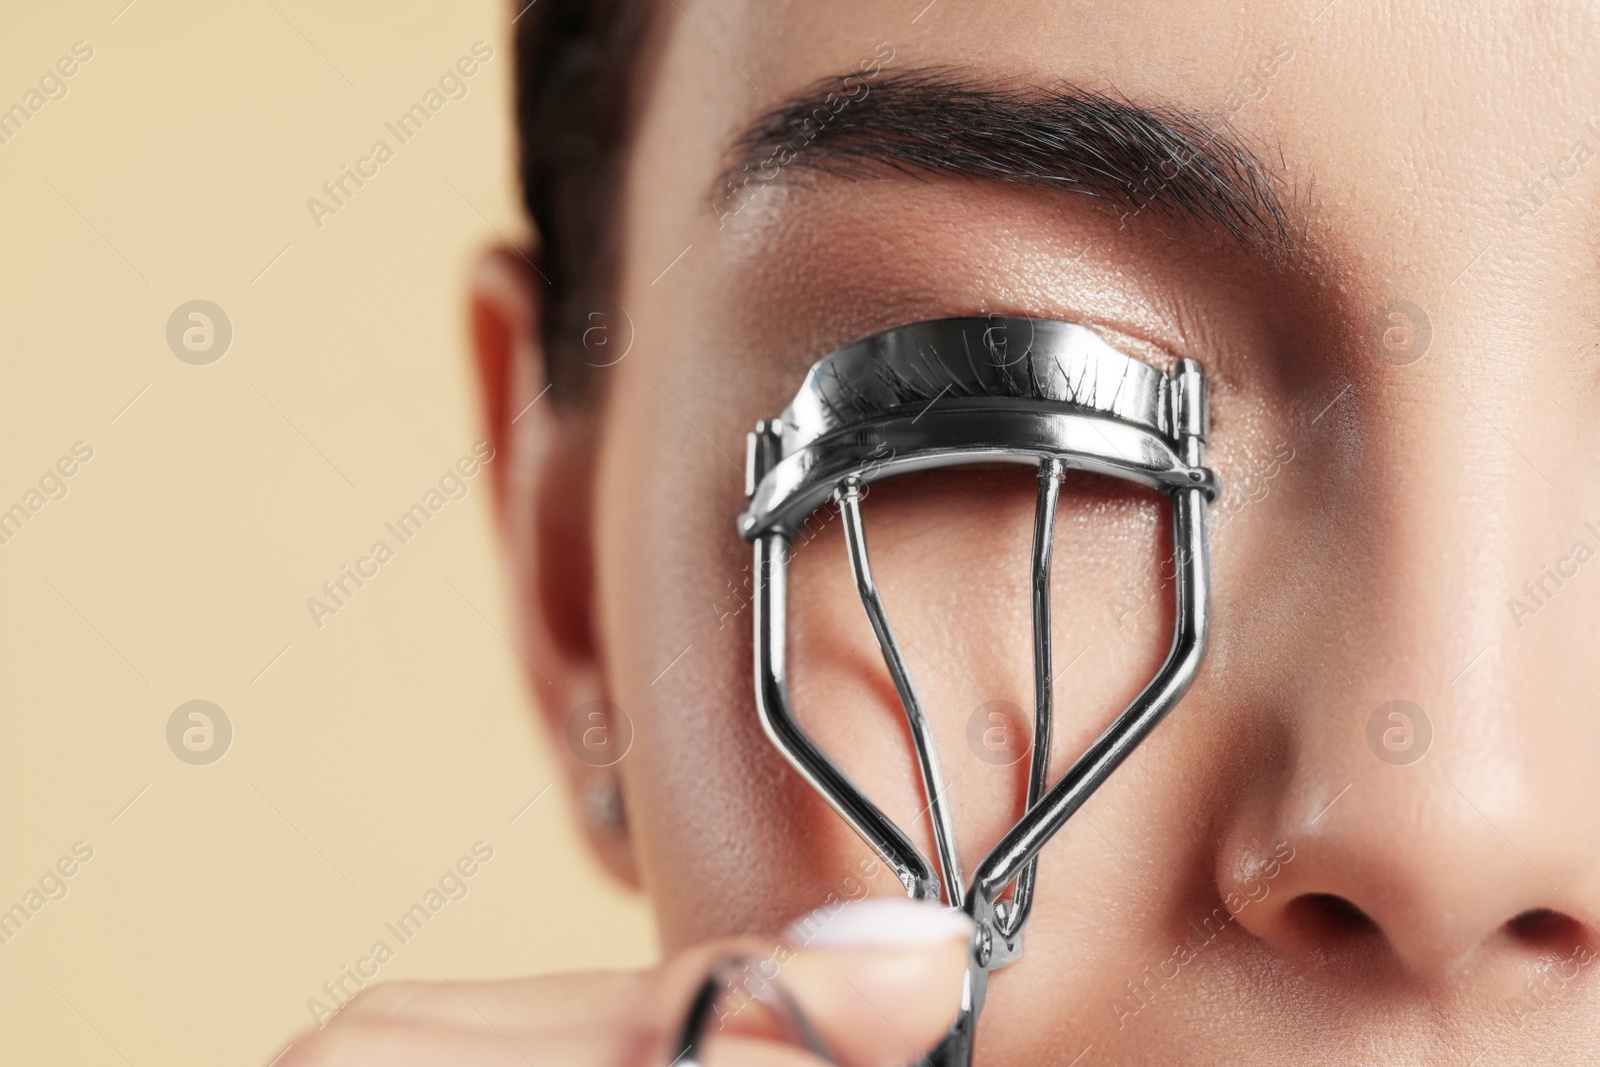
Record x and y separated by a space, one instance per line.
940 393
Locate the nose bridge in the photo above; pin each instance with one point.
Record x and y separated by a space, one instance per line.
1443 775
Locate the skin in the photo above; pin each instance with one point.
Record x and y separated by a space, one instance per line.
1438 912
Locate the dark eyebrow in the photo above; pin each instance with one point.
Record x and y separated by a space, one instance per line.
941 122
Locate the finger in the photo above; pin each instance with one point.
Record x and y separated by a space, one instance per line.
880 980
521 1004
405 1043
650 999
375 1041
755 1052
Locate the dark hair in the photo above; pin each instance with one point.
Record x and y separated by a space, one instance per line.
576 61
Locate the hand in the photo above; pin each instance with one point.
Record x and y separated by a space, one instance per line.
880 981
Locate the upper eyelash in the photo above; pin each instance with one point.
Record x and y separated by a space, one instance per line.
924 375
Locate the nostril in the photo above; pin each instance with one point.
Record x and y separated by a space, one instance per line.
1330 921
1545 930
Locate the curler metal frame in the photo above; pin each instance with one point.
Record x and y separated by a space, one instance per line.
770 992
1049 394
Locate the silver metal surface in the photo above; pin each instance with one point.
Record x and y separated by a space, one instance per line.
977 390
951 391
944 833
787 1013
1044 535
777 718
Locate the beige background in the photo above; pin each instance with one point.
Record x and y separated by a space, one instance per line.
368 755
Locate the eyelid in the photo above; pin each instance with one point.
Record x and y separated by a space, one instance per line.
1140 345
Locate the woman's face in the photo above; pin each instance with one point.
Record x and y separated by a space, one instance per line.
1293 867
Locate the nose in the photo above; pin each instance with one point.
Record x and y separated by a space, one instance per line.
1431 794
1410 865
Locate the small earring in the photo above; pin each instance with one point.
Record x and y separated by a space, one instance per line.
600 802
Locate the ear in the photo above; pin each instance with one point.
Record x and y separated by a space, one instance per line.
543 478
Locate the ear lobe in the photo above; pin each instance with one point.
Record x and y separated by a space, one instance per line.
543 479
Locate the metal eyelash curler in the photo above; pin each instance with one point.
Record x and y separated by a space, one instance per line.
975 390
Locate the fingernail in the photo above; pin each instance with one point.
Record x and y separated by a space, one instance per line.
879 922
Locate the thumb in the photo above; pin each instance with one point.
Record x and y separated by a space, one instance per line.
879 979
